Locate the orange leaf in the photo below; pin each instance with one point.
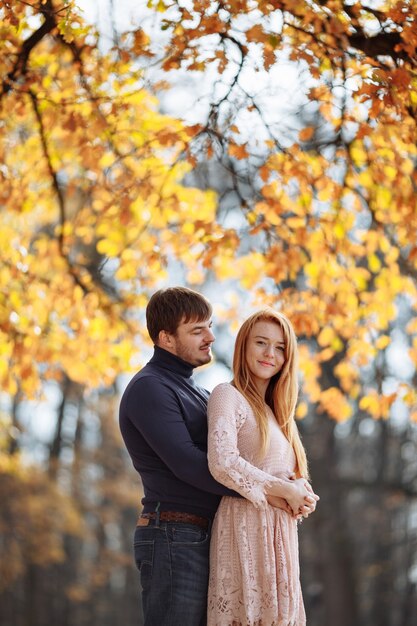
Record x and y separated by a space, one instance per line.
256 33
239 152
306 134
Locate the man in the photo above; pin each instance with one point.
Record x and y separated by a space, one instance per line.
164 425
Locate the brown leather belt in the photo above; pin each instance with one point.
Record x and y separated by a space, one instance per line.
174 516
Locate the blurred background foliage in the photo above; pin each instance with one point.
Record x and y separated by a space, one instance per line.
263 152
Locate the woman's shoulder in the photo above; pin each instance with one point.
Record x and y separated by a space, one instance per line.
228 392
225 389
225 400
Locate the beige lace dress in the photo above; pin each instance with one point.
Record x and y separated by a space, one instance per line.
254 565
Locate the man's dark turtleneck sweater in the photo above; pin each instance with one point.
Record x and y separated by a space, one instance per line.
163 420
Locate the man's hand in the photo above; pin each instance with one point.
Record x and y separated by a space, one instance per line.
279 503
305 511
299 500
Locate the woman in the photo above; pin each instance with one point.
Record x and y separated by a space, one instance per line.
254 448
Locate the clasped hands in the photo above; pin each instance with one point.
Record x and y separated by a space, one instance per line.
299 500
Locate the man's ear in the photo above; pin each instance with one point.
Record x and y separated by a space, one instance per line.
165 339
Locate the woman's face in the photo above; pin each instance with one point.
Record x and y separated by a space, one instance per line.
265 352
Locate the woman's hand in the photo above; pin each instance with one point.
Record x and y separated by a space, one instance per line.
297 492
310 503
301 497
310 500
308 507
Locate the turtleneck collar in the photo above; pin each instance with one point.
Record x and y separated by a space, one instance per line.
171 362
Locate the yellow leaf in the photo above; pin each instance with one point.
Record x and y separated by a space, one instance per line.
333 402
339 231
109 248
107 160
383 198
326 336
302 410
337 344
358 155
312 269
296 222
196 276
370 404
365 178
382 342
390 172
251 267
272 216
374 263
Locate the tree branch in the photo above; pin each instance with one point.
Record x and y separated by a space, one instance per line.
57 189
383 44
53 174
20 65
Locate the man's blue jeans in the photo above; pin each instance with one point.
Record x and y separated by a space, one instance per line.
173 561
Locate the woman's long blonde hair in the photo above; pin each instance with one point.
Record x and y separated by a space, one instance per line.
282 391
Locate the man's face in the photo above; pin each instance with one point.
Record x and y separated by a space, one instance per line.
192 342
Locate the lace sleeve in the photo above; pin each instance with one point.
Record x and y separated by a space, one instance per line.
225 417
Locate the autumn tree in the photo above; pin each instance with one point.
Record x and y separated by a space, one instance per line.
92 208
334 204
92 201
328 191
327 186
334 197
97 200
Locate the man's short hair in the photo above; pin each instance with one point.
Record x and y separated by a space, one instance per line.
167 308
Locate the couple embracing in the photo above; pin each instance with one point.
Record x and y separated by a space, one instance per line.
224 474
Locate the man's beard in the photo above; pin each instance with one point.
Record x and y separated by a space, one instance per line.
188 355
